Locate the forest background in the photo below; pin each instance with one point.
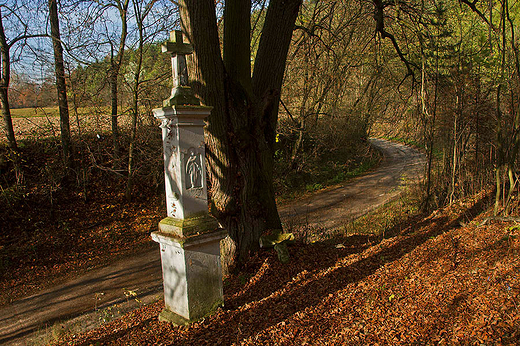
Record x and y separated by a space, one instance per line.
442 75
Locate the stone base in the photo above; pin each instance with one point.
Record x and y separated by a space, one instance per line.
166 315
192 275
171 317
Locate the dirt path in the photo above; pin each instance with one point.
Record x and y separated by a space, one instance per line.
91 297
334 207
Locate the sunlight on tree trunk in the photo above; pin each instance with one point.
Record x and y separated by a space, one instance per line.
4 87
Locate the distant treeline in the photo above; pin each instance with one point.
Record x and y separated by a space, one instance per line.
89 83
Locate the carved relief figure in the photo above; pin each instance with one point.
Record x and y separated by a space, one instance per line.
193 170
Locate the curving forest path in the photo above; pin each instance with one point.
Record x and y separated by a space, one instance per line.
91 297
332 208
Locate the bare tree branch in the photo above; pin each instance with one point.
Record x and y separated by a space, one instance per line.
380 28
473 6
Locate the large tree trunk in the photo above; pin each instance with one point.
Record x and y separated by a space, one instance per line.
4 87
241 129
61 87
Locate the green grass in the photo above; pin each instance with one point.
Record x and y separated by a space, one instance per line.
384 218
34 112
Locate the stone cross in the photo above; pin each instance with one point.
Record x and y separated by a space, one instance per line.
181 92
189 236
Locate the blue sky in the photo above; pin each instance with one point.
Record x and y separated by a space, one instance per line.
87 31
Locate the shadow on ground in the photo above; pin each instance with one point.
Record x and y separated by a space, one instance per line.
318 270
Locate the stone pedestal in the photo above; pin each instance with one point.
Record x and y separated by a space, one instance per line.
192 276
184 161
189 237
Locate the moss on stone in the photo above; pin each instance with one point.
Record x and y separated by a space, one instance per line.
168 316
181 96
171 317
183 228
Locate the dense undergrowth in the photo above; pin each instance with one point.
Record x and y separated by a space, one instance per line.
54 223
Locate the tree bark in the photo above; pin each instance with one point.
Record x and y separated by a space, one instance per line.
237 50
241 129
115 128
4 87
61 87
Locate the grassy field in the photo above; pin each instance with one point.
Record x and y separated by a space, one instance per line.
54 112
34 112
37 123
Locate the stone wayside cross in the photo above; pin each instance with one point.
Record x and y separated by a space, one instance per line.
181 92
189 237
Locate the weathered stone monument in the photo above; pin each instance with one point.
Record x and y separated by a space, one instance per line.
189 237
